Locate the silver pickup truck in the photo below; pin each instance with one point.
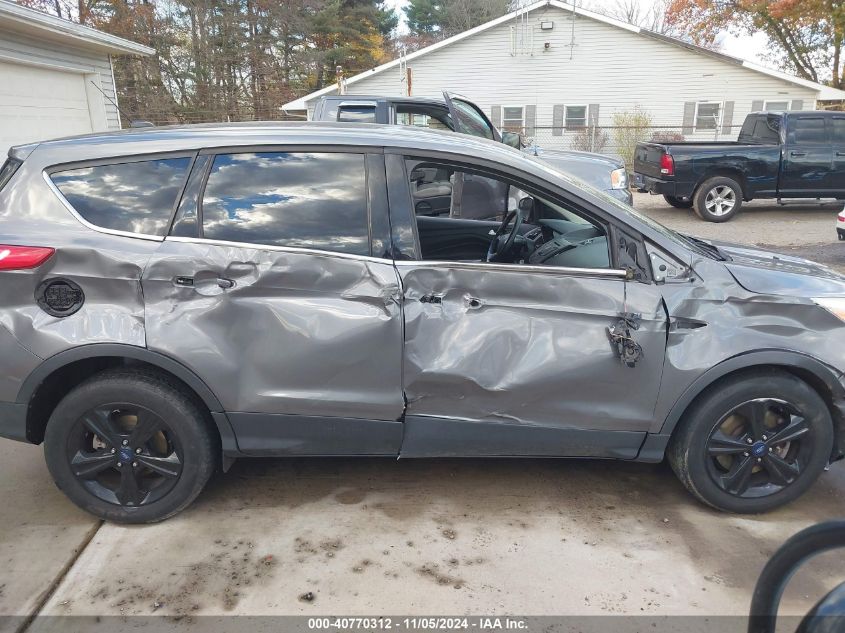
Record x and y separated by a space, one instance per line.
458 114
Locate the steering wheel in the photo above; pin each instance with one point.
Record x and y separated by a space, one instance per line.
499 250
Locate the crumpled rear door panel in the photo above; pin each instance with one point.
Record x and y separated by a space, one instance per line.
299 334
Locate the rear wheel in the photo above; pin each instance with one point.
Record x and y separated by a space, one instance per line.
129 447
718 199
753 443
678 203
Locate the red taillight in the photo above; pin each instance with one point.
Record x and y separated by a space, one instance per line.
667 165
18 257
841 216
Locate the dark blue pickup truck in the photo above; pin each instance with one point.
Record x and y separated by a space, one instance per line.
777 155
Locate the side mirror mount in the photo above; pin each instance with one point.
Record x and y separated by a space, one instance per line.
526 205
512 139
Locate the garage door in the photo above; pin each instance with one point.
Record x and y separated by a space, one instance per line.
38 103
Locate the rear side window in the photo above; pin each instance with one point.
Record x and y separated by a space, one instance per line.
303 199
357 114
838 131
137 197
808 131
8 170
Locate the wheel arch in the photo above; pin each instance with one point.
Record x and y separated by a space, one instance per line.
68 368
820 376
734 173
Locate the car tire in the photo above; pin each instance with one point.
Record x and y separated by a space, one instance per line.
678 203
717 199
129 446
711 454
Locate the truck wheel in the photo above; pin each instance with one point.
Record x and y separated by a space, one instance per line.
678 203
752 443
129 447
718 199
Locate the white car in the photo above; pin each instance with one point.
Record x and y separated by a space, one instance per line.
840 225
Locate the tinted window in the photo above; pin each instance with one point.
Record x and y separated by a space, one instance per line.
304 199
135 197
424 116
471 121
748 126
808 131
838 130
357 114
767 129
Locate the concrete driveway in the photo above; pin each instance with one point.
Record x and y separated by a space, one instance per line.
370 536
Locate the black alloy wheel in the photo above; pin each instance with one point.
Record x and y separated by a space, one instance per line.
131 445
124 454
752 441
759 448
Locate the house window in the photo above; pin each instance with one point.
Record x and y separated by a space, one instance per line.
513 118
776 106
708 115
576 116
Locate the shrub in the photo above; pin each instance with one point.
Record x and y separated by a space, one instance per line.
630 128
589 139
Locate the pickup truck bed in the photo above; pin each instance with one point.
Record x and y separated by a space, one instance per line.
757 163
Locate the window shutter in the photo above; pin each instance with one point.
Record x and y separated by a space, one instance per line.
689 117
557 120
496 115
756 106
797 104
593 115
727 117
530 119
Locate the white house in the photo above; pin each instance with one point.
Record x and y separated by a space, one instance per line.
55 76
551 70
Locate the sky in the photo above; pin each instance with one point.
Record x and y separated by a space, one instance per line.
750 47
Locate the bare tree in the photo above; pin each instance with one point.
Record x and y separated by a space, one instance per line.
651 18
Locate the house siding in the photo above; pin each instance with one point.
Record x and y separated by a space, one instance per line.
588 62
26 49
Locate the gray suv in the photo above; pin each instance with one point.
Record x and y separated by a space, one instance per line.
176 298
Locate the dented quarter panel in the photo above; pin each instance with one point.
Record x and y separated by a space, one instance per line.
107 267
16 363
300 333
528 349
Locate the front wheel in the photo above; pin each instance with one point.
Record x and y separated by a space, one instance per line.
753 443
678 203
717 199
128 446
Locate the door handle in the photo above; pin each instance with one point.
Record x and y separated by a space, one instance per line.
189 282
840 153
797 153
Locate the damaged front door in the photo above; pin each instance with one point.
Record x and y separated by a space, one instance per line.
519 358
